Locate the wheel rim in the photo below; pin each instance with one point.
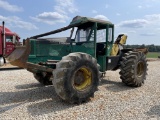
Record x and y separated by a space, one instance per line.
82 79
140 69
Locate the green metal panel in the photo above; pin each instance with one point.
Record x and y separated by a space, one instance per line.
52 50
42 50
95 38
109 43
33 47
102 62
87 47
39 59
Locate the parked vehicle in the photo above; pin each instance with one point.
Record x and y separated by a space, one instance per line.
8 41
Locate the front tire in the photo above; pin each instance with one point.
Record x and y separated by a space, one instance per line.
133 69
76 77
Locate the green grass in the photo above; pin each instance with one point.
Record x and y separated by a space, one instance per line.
153 54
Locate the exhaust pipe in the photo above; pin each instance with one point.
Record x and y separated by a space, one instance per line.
4 39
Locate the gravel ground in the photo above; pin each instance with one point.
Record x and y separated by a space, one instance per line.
22 97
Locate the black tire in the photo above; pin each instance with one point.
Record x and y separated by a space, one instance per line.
133 68
71 74
43 78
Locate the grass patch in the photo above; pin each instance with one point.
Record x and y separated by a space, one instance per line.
153 54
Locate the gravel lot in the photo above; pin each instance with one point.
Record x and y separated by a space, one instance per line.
22 97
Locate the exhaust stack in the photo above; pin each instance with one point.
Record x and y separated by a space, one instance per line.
4 39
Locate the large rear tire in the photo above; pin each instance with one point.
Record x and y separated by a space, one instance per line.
43 78
133 69
76 77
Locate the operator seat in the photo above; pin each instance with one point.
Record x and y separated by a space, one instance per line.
118 44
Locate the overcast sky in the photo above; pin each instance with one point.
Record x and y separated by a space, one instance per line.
139 19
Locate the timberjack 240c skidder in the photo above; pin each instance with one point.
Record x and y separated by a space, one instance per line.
74 65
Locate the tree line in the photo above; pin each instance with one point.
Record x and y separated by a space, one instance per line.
151 48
